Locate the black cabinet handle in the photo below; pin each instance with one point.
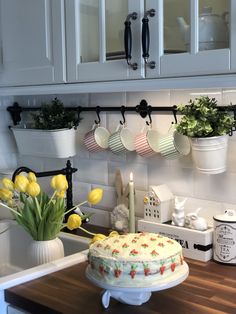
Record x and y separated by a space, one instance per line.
146 38
128 40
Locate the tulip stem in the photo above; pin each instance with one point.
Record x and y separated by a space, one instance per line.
13 210
69 210
91 233
52 196
38 208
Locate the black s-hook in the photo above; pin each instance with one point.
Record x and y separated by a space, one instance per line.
98 115
174 114
149 112
122 110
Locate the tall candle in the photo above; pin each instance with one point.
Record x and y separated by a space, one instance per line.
131 205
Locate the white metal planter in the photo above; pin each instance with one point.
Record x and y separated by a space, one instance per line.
210 153
59 143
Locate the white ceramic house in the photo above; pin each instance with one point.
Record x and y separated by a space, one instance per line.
158 204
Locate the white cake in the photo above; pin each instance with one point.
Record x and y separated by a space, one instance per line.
135 259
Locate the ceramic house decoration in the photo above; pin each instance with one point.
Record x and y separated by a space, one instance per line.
158 204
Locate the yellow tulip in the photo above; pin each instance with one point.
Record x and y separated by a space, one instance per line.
5 194
95 196
59 182
11 203
32 177
8 184
74 221
21 183
33 189
61 194
98 237
113 234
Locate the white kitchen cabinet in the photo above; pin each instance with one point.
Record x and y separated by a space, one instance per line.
92 24
69 41
32 42
208 46
94 32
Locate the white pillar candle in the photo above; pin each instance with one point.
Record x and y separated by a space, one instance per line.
131 205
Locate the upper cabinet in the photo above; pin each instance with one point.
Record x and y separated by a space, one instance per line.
131 39
198 37
32 42
95 39
58 41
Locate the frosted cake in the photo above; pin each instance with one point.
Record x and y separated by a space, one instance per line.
135 259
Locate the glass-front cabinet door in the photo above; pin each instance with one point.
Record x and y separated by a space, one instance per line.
194 36
136 39
95 39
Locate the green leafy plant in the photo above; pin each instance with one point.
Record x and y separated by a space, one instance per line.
54 115
202 118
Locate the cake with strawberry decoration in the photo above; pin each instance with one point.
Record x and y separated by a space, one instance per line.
134 259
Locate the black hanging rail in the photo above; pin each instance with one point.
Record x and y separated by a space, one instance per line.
143 109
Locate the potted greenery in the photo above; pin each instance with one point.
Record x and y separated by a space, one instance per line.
208 127
52 133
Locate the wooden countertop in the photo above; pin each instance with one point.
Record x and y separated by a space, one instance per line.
209 288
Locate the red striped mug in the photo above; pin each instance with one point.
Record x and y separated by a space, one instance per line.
147 143
96 140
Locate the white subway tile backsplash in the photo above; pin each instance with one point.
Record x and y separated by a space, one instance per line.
183 96
107 100
109 200
8 160
208 208
214 193
139 173
7 142
91 171
80 191
155 98
35 163
229 96
5 119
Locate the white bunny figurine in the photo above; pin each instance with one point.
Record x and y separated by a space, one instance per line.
178 214
193 221
120 214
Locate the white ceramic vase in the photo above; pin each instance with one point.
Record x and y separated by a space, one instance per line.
210 153
40 252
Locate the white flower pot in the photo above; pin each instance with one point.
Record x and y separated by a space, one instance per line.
46 143
210 153
40 252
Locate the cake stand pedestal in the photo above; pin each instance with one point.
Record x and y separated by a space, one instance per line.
138 295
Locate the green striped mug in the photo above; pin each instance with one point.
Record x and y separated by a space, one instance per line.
174 145
121 141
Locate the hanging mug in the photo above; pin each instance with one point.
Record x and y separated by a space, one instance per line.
147 142
122 140
96 140
173 145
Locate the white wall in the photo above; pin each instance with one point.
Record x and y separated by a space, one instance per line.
213 193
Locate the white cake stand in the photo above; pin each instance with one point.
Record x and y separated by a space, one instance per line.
138 295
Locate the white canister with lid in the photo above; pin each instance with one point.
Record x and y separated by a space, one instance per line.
224 239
